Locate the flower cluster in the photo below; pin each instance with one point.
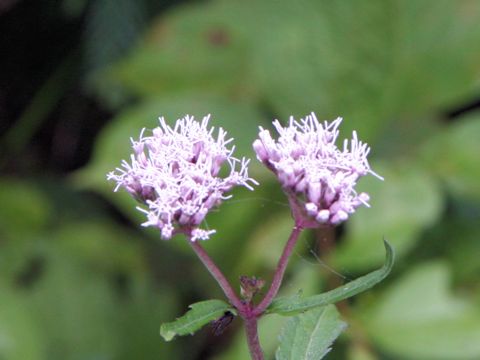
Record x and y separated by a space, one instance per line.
174 172
313 170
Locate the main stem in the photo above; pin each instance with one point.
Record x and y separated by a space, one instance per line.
246 311
252 338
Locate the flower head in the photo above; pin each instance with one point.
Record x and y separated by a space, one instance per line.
175 174
319 176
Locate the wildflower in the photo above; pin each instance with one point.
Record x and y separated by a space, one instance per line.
175 174
313 171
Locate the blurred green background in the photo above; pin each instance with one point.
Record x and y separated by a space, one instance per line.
79 279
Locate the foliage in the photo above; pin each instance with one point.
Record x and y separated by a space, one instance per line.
308 336
199 315
420 318
80 280
298 304
300 338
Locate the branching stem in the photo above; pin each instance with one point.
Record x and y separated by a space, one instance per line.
247 310
218 275
279 272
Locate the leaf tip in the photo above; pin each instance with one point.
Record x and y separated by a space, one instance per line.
167 334
390 251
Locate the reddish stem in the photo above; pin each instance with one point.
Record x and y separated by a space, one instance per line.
218 275
244 309
279 272
252 338
251 314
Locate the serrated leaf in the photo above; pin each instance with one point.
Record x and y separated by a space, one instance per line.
297 304
200 314
309 336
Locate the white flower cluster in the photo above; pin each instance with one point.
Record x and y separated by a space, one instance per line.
309 164
174 172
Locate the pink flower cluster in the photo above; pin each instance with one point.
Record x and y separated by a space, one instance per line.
313 170
174 172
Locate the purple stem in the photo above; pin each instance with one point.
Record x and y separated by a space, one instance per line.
279 272
218 275
244 309
251 314
252 338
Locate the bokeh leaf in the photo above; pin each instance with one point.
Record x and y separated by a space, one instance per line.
453 155
102 246
266 243
20 336
193 47
199 315
28 210
111 28
25 215
305 58
309 336
418 318
406 203
148 306
75 307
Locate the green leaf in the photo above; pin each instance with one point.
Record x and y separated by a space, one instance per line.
192 47
266 243
21 337
308 336
458 148
25 213
28 210
111 29
297 304
404 205
112 26
75 306
419 318
200 314
306 59
143 313
108 247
